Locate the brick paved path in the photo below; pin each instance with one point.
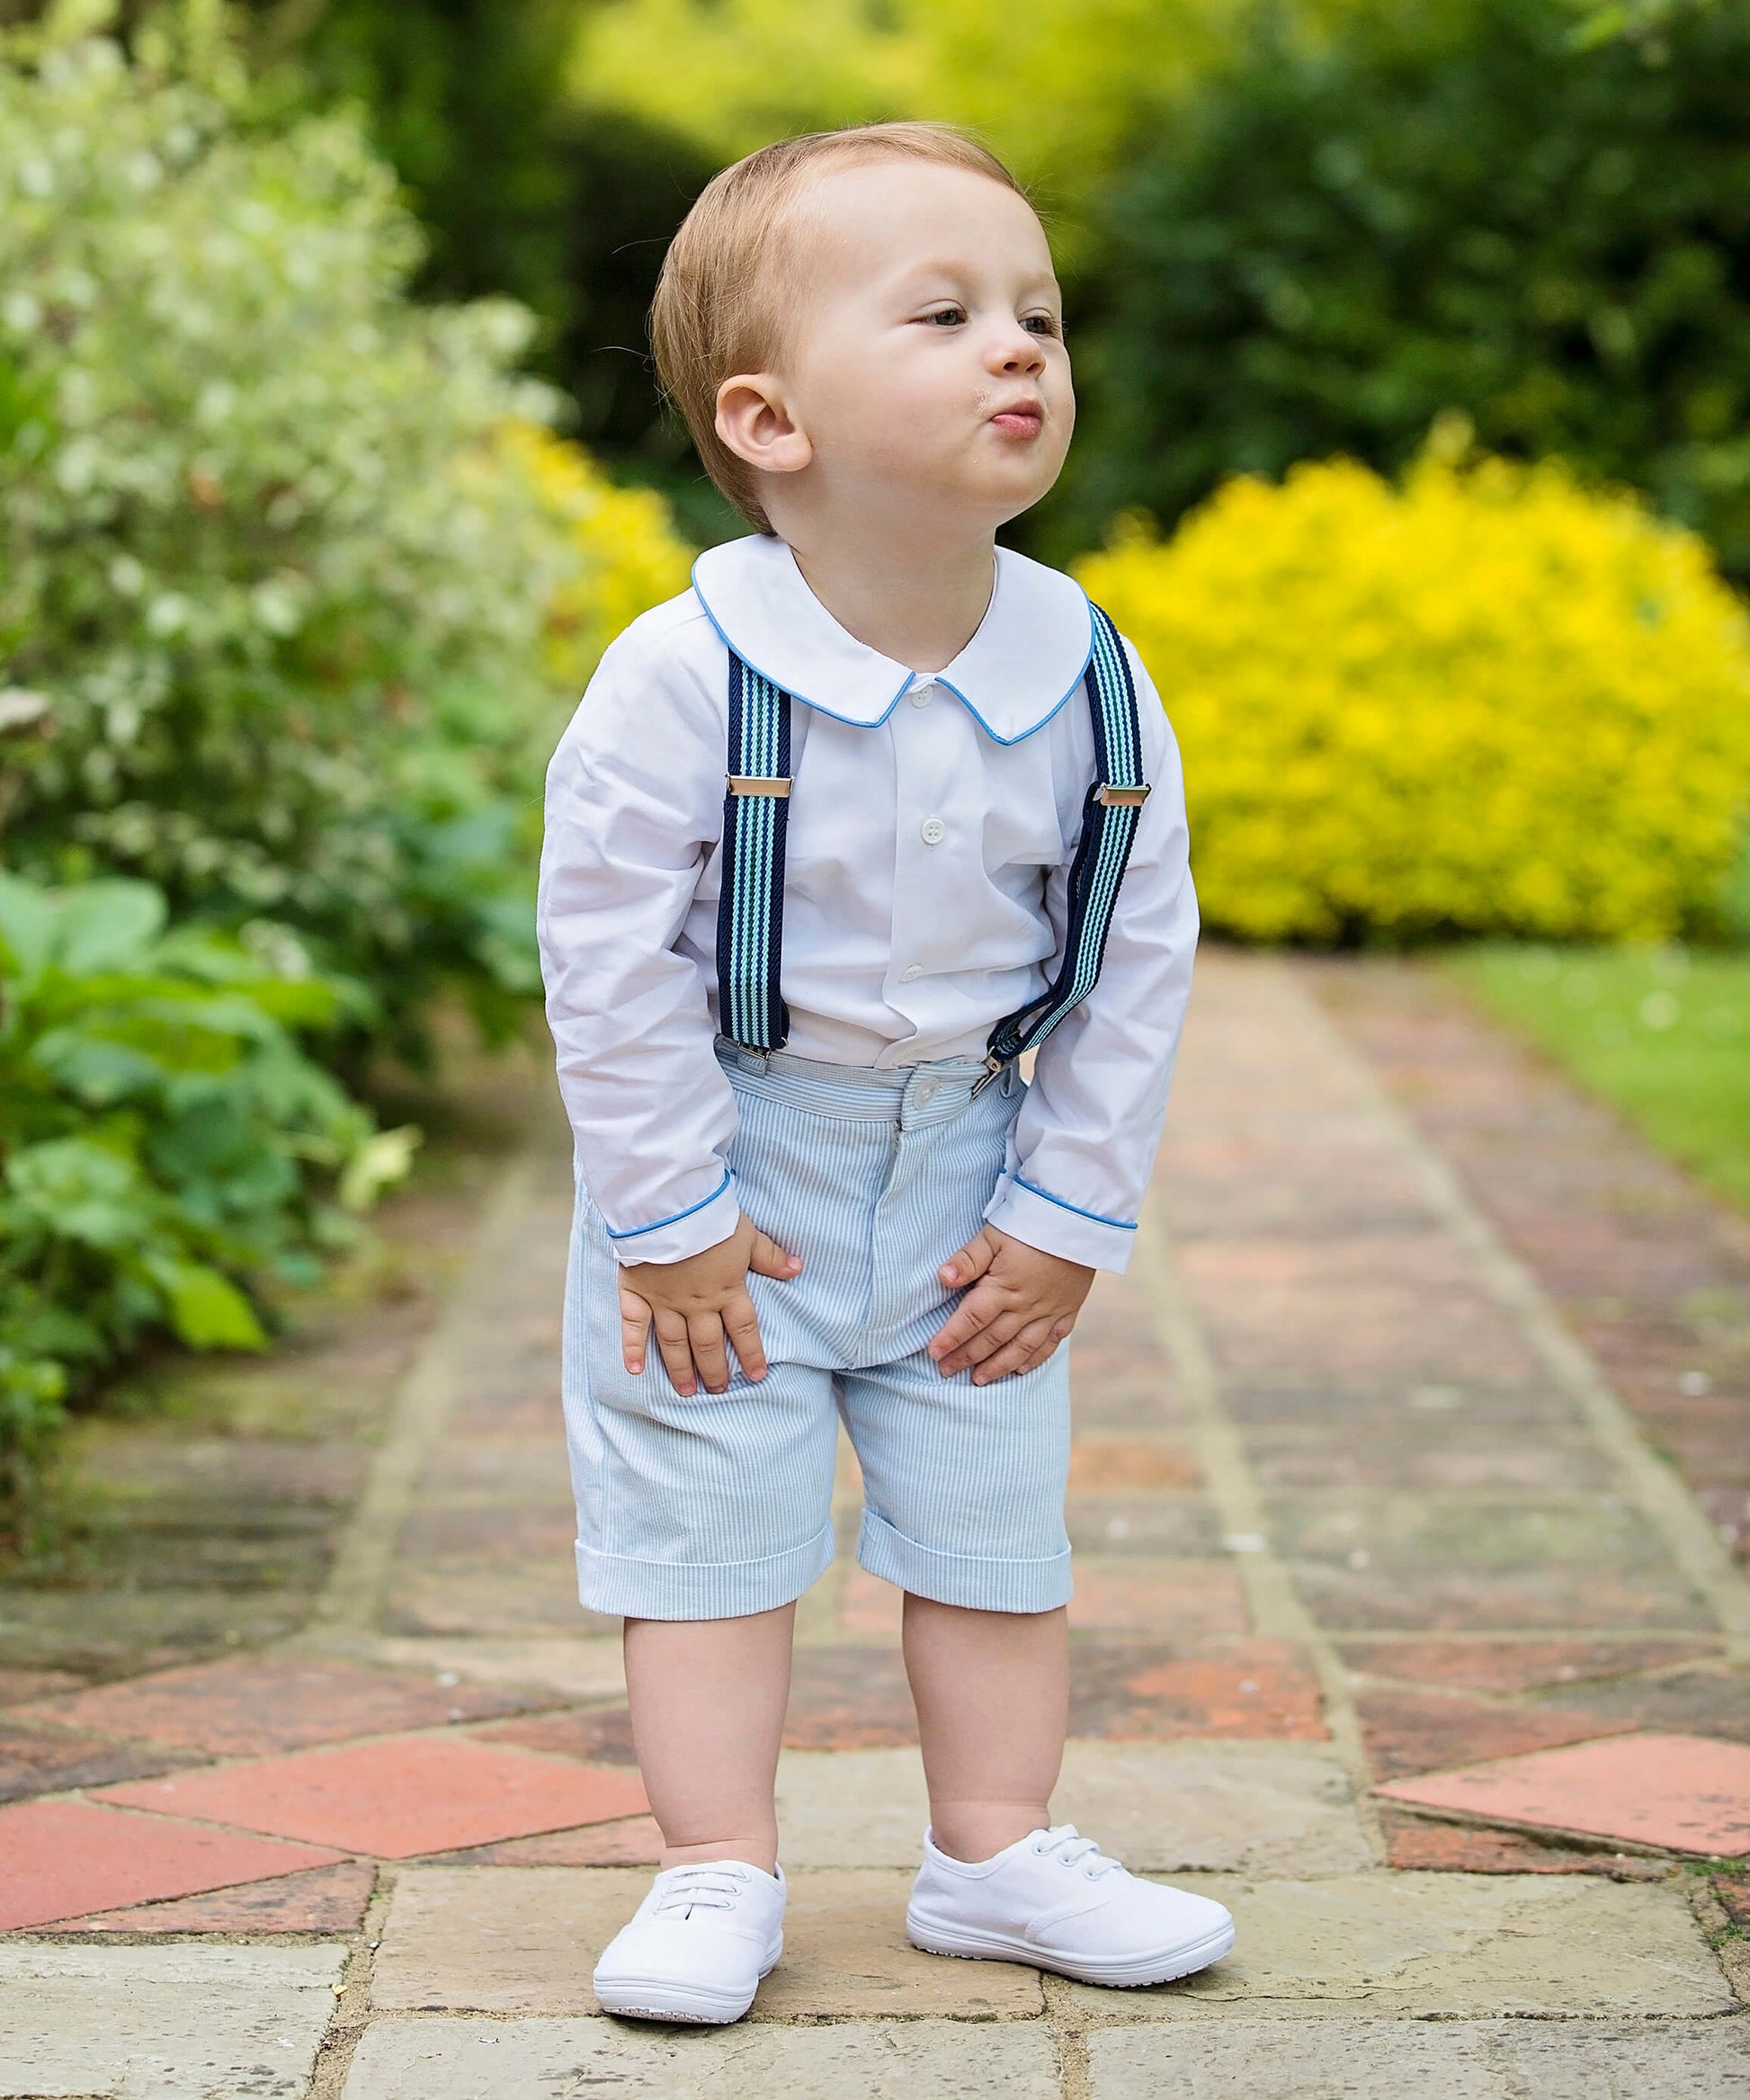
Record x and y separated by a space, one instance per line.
1354 1502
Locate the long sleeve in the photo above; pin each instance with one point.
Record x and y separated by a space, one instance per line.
1086 1140
634 801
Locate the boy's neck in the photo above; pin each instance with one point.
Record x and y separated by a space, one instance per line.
913 598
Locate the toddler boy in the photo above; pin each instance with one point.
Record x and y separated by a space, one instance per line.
834 838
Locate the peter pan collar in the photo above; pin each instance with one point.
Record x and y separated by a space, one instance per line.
1027 658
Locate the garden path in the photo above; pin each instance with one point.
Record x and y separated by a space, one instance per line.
1413 1445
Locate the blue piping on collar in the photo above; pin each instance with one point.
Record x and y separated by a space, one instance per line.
855 722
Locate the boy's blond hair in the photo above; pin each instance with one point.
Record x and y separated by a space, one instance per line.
717 308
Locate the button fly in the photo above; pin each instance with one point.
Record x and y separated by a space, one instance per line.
933 831
925 1093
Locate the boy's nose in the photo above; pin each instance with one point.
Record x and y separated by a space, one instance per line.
1018 352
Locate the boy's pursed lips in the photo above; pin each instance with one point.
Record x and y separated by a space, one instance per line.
1024 417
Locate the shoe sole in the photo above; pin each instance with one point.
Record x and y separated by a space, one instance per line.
649 1998
1131 1975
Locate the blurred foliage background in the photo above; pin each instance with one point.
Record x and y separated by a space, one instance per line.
1413 347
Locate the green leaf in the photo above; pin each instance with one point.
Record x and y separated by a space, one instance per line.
207 1309
378 1163
27 922
107 926
81 1192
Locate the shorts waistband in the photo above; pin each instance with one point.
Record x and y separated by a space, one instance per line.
904 1094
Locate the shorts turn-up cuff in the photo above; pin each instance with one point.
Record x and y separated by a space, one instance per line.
972 1581
626 1588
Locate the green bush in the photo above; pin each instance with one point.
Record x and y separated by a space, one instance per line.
1491 700
269 564
1431 205
164 1142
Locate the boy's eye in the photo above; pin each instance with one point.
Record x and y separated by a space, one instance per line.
1040 324
947 317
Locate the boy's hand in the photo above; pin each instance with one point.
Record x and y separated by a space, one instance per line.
695 1304
1022 1304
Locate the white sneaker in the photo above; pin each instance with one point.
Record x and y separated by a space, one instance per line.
1055 1901
697 1945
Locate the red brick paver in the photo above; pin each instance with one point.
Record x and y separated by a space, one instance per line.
1681 1792
38 1759
65 1859
249 1705
395 1799
1407 1731
320 1899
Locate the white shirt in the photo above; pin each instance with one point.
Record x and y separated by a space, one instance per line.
932 826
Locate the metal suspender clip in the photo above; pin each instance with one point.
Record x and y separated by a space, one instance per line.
1117 798
992 1066
742 783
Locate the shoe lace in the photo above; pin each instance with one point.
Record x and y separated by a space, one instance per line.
1063 1842
715 1885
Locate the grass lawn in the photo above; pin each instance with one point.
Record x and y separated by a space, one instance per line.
1662 1032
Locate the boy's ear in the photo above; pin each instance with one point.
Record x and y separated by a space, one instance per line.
755 421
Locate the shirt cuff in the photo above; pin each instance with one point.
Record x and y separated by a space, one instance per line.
687 1232
1057 1226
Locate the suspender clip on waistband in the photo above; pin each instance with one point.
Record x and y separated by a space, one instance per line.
992 1066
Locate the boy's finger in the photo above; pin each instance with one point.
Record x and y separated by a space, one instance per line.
1026 1352
705 1333
995 1334
742 1324
634 1331
970 1263
767 1258
677 1353
976 1310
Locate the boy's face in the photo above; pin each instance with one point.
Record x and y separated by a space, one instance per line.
924 355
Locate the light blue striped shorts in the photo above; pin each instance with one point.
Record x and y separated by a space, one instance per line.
718 1505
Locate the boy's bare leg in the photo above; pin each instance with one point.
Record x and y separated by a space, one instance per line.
992 1692
708 1698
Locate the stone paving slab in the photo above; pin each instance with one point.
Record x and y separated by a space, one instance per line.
557 2060
524 1940
1381 2060
182 2023
1409 1946
587 1667
1253 1807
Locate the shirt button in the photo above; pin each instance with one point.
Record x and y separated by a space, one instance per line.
914 971
922 695
933 831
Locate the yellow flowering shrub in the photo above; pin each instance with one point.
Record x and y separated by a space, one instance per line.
629 556
1489 701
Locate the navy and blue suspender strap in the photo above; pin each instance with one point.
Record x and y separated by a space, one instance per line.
1110 817
750 919
750 916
